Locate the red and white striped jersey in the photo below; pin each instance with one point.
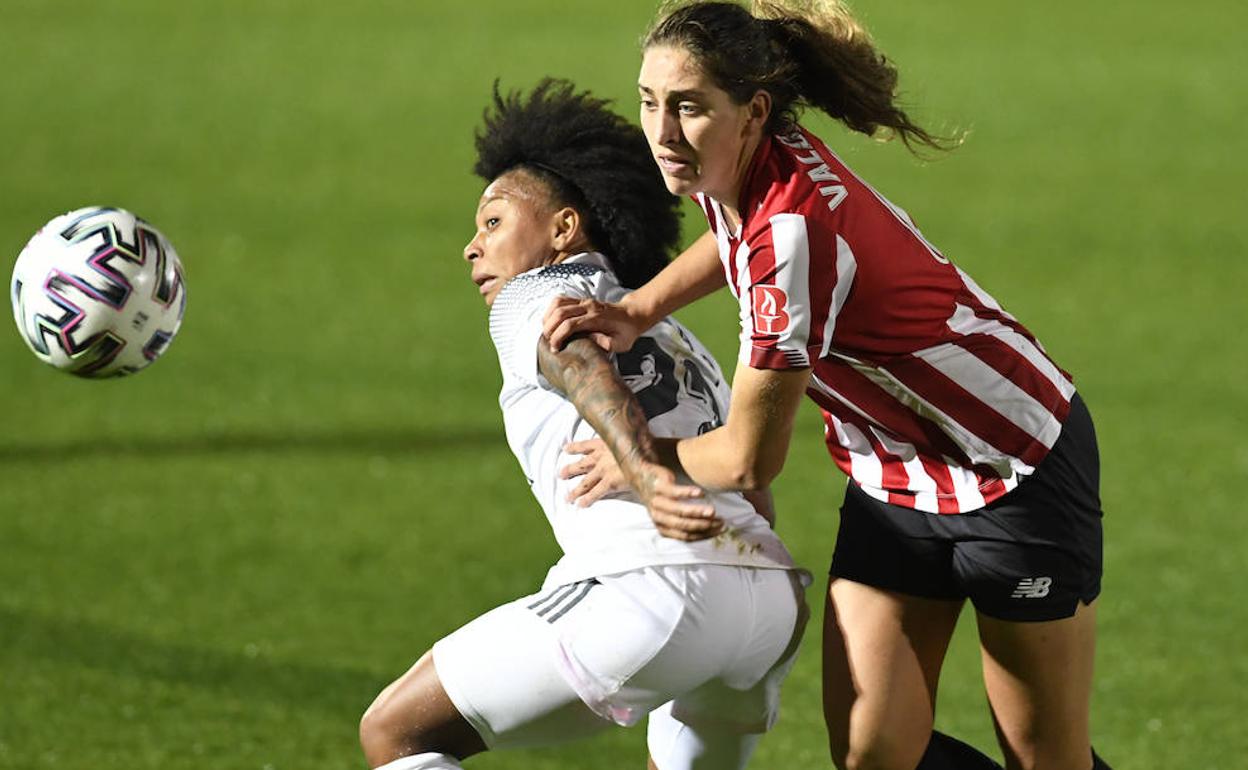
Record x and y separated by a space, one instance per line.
934 397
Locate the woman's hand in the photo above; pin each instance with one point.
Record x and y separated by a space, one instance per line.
610 326
597 469
676 509
615 327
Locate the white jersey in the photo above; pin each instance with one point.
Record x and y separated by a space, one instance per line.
683 393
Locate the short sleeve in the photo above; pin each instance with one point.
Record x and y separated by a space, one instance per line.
776 305
516 316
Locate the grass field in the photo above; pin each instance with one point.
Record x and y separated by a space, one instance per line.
218 563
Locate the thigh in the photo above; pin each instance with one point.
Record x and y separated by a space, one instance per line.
882 654
614 647
502 671
414 715
1039 681
748 631
1019 567
749 623
894 548
717 639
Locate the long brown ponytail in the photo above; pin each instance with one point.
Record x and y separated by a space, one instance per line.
803 53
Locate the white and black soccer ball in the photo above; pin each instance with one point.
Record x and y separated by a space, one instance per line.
98 292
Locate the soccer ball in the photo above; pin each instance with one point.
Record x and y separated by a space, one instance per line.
98 292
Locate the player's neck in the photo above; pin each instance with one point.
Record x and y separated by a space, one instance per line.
580 247
730 200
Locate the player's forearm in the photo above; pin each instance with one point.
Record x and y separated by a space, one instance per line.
718 460
713 460
749 450
584 374
691 276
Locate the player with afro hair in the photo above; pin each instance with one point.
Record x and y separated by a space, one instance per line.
628 625
591 159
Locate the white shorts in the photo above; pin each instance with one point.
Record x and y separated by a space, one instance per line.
714 641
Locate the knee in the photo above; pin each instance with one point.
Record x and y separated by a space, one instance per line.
377 733
386 734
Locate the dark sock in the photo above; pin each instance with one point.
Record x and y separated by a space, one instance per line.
947 753
1098 763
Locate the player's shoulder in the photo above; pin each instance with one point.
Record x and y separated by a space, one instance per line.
581 278
803 177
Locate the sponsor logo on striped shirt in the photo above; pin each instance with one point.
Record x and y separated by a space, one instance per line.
770 316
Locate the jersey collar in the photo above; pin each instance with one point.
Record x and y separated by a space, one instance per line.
589 258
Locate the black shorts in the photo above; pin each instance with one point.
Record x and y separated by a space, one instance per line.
1033 554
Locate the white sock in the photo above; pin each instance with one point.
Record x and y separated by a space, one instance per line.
675 745
424 762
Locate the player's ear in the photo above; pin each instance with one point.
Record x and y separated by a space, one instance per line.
566 229
758 110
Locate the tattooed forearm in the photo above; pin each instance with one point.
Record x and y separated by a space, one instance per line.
582 371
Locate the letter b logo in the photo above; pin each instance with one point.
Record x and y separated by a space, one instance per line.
770 316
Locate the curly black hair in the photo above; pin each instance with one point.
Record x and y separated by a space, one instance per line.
592 160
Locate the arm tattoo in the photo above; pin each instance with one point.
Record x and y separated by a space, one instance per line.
583 373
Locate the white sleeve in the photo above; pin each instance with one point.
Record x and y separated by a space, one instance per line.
516 316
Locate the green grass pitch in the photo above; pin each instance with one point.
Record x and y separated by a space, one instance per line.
217 564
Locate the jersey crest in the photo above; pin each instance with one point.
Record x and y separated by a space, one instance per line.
770 309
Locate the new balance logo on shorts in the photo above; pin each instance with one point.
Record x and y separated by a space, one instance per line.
1032 588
